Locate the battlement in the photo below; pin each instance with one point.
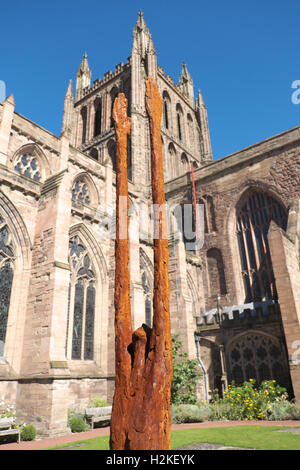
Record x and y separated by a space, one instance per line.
233 315
106 78
176 87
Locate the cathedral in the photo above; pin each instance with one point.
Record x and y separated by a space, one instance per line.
235 301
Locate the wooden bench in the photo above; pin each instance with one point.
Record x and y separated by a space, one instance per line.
6 428
99 414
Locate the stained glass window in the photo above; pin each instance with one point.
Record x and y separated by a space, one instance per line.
28 166
256 356
82 309
253 221
80 192
147 299
6 279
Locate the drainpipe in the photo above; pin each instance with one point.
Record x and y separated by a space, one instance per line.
197 341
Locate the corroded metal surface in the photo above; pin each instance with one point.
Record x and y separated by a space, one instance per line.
123 328
141 416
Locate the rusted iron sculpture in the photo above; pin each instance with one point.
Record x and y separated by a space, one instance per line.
141 416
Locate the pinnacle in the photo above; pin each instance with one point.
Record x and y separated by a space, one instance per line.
200 98
84 63
141 22
184 71
70 89
10 99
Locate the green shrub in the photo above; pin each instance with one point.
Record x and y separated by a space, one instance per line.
76 412
186 413
293 412
77 424
185 375
222 411
247 401
28 432
278 410
97 402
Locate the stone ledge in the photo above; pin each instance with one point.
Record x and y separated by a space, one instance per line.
59 365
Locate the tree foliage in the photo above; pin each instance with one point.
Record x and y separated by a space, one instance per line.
186 373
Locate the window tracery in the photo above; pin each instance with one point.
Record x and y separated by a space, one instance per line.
27 165
82 301
253 221
6 280
257 356
80 192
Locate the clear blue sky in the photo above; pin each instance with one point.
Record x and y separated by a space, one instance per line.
243 55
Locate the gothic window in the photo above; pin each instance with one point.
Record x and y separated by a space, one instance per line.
127 92
165 160
113 95
166 117
166 108
98 115
83 114
172 161
147 299
209 214
216 272
253 221
129 158
28 165
179 126
82 301
147 290
94 153
259 357
80 192
6 279
191 131
179 114
184 163
111 147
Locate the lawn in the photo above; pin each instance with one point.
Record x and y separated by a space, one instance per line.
253 437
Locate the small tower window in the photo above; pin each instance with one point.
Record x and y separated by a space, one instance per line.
166 118
179 116
179 126
84 124
98 115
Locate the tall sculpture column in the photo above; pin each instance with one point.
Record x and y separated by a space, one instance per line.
141 416
123 327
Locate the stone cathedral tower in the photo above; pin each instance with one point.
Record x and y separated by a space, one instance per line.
184 124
